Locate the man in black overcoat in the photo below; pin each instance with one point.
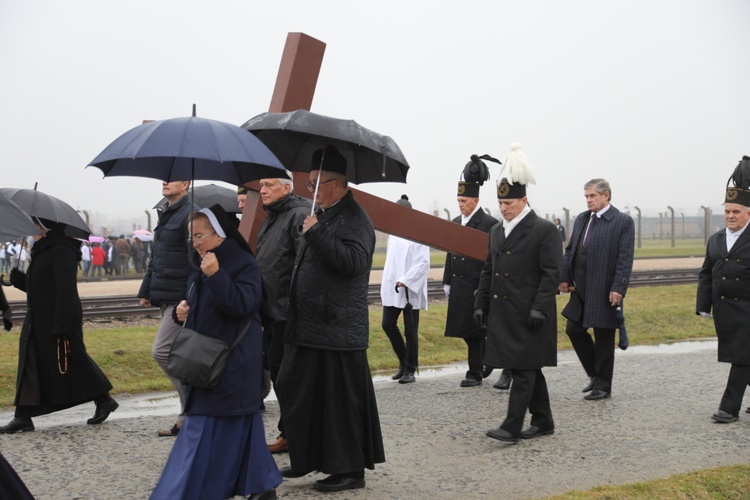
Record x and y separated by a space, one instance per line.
596 270
517 296
461 277
724 286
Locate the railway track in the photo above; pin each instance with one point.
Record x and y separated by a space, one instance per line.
128 306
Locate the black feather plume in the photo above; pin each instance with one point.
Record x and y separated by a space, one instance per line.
476 170
741 175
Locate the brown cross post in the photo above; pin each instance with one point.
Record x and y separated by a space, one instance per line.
295 86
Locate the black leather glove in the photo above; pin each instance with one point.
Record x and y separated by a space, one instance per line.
536 319
479 318
18 279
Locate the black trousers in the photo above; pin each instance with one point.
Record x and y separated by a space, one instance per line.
407 352
476 357
739 378
597 355
528 392
273 345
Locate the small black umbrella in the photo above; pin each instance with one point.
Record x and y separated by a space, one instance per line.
294 136
14 223
41 205
211 194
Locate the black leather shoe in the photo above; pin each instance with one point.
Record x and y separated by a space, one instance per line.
288 472
17 425
103 408
266 495
534 431
748 410
589 386
504 381
399 373
724 418
597 394
337 482
408 378
470 382
502 435
486 371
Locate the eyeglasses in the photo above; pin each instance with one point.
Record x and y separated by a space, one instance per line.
311 185
199 239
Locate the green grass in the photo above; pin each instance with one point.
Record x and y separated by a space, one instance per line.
663 248
715 484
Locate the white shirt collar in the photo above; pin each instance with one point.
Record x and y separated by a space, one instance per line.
465 220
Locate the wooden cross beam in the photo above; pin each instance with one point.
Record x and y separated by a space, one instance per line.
295 86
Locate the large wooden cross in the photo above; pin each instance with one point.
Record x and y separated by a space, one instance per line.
295 87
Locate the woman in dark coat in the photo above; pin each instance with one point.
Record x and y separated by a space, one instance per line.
54 370
221 449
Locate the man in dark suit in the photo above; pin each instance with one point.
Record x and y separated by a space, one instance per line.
461 276
596 270
723 284
517 294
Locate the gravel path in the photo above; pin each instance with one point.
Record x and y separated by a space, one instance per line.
657 423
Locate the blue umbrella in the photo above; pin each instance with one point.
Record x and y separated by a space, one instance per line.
15 223
189 148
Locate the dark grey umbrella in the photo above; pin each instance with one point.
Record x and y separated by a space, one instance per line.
211 194
41 205
294 136
14 222
189 148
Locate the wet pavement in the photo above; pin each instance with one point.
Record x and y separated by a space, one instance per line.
656 424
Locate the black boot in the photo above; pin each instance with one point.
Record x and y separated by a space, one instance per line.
266 495
18 424
399 373
104 406
408 378
506 377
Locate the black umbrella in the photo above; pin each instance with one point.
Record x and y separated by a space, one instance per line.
41 205
14 223
294 136
206 196
189 148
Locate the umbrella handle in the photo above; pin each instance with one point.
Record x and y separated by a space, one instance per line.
317 182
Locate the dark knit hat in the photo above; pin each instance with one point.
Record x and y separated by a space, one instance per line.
332 160
241 190
740 192
404 201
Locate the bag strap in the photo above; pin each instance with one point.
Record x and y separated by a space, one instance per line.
241 335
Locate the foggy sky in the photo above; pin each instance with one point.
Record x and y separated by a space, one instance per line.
651 95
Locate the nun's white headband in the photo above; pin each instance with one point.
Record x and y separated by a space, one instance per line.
214 222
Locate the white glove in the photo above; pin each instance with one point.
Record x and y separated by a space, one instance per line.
447 289
704 314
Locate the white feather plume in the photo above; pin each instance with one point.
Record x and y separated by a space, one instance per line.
517 167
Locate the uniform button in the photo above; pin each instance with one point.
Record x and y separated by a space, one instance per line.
507 253
722 297
497 274
726 260
506 275
736 279
462 258
494 296
454 275
505 297
723 277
